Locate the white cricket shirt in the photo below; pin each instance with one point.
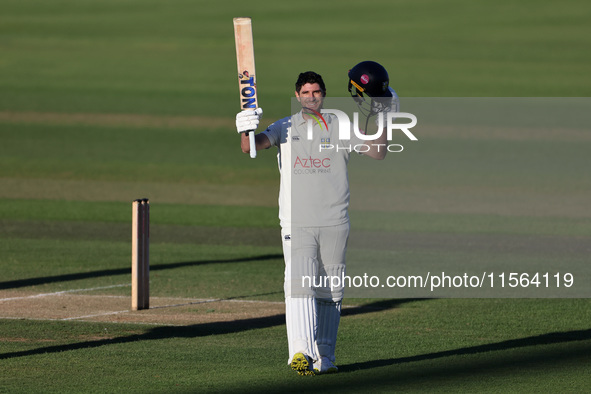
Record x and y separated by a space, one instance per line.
314 186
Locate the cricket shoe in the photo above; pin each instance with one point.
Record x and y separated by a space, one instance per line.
324 365
301 364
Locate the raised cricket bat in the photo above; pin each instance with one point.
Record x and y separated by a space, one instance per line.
247 83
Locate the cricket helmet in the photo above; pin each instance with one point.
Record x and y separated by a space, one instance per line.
369 87
369 78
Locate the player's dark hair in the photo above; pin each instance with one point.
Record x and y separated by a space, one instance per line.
309 77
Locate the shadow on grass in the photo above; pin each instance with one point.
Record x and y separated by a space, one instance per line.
192 331
516 365
221 328
200 330
15 284
377 306
544 339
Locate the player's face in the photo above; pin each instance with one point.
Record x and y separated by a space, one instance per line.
311 96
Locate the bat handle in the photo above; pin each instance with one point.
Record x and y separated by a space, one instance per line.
253 148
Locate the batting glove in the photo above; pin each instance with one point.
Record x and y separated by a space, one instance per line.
248 120
384 105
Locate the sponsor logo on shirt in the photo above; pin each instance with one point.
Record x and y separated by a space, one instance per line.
311 165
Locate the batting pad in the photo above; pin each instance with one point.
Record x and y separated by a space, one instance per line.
329 317
300 273
331 282
300 319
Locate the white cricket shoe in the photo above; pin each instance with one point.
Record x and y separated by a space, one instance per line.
324 365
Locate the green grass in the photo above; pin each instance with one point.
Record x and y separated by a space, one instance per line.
431 346
77 152
456 198
178 57
120 212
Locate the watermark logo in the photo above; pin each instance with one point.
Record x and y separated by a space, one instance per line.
317 116
385 123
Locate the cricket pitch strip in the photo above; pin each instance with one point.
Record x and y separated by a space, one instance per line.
67 306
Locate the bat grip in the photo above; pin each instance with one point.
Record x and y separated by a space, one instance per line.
253 148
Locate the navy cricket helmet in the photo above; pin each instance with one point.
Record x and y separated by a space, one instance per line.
369 78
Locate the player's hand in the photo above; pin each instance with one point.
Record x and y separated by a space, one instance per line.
248 120
388 103
383 105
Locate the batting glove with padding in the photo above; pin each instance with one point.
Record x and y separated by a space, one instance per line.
248 120
386 104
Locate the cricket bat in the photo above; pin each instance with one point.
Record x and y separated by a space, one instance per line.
247 84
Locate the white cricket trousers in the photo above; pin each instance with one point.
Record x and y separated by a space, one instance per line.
312 303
